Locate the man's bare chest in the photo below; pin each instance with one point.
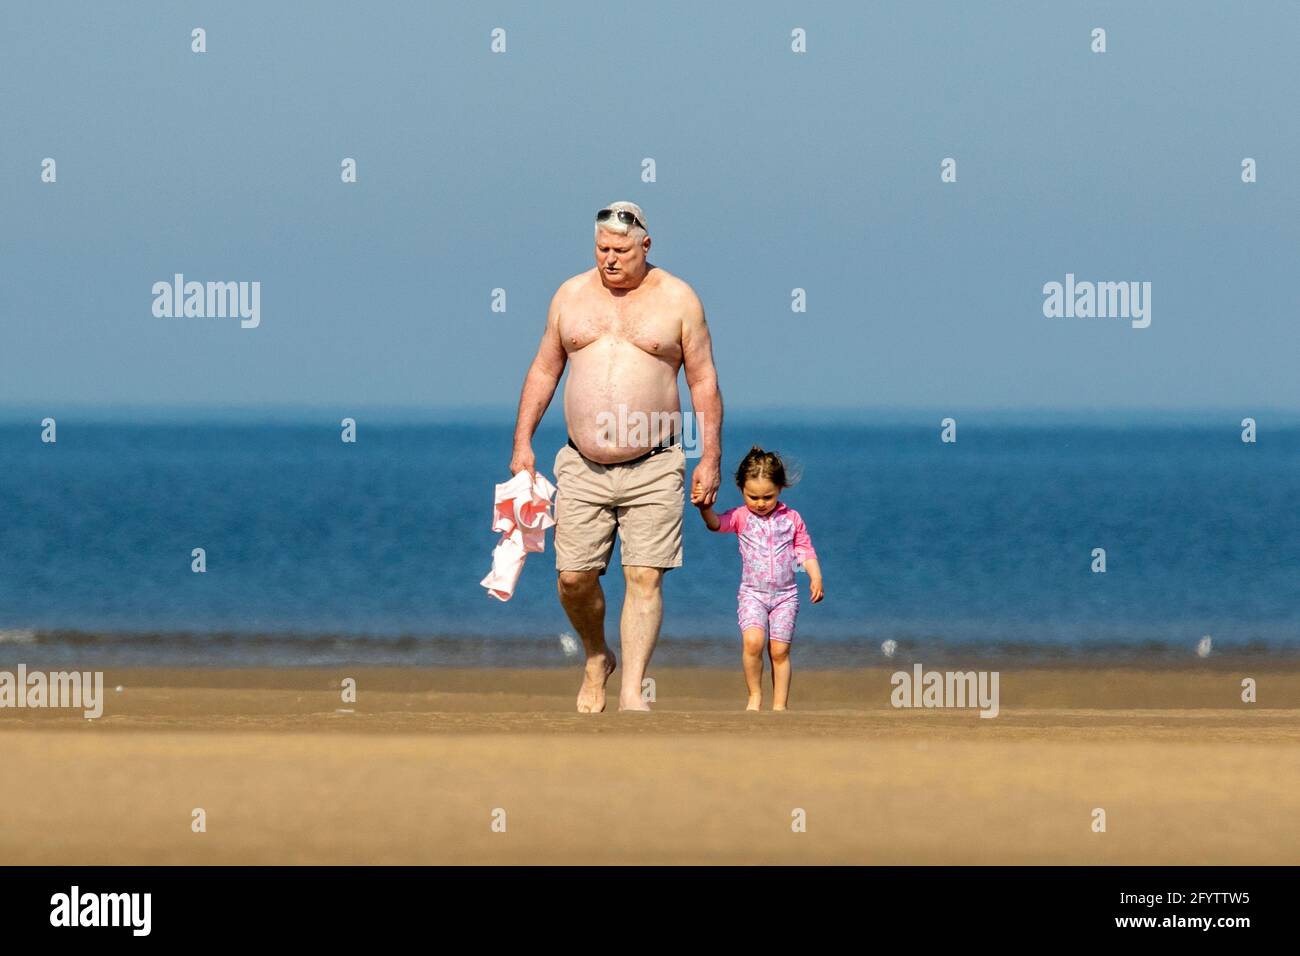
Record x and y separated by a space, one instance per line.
653 327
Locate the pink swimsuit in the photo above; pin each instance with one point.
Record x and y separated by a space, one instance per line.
770 545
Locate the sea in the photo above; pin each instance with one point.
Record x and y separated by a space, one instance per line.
320 551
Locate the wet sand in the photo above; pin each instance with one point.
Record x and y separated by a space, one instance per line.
426 762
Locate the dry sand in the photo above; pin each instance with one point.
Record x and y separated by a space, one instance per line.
1185 771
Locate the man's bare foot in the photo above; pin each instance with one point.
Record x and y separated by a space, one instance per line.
755 702
591 695
634 702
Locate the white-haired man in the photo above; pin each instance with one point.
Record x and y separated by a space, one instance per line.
626 328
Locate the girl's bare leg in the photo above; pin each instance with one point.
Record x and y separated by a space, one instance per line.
753 639
780 653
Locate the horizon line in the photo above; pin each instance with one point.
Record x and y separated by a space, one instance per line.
13 413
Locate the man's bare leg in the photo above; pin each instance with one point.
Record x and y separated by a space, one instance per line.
584 602
643 611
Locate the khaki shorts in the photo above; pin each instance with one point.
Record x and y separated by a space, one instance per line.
642 501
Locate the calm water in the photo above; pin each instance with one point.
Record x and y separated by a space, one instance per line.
320 551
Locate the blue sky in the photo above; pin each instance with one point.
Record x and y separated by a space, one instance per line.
775 170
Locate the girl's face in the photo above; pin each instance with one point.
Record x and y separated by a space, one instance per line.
760 495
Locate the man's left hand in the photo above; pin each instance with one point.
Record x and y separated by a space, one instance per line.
704 483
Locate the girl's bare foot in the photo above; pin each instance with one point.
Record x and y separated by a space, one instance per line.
755 702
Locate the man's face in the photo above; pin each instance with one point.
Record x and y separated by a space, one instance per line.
620 259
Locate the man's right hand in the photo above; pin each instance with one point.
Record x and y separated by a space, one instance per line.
523 460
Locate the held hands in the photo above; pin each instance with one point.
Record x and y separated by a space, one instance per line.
704 484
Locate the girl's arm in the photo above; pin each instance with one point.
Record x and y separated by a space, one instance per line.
729 522
814 579
805 553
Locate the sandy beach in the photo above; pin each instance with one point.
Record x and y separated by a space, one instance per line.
418 769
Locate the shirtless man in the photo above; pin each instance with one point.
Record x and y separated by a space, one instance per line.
627 326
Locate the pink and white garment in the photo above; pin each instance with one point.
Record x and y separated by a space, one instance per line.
522 511
770 547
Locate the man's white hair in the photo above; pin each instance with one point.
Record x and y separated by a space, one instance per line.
614 224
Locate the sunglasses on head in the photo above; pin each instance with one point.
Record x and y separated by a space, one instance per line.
624 216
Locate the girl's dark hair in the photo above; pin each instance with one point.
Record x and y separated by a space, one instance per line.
762 464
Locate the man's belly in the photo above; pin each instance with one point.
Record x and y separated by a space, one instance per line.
617 410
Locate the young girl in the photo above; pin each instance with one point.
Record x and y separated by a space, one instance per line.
772 539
